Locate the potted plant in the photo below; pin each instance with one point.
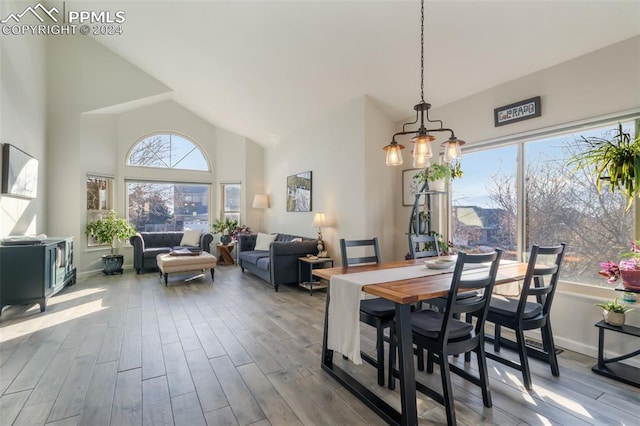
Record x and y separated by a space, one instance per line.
224 228
628 269
613 312
438 175
107 230
614 160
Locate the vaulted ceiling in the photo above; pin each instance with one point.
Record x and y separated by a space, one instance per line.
264 68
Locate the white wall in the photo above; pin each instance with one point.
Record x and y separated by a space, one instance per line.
23 123
98 106
598 84
350 183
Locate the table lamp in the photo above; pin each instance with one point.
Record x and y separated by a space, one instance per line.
319 221
260 201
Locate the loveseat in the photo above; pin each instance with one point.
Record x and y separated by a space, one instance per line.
147 245
279 264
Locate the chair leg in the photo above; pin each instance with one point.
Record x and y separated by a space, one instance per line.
496 338
484 374
547 338
420 357
380 352
392 357
447 393
524 360
467 355
430 362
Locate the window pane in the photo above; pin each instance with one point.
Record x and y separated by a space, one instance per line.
99 200
563 205
155 206
168 151
484 202
232 197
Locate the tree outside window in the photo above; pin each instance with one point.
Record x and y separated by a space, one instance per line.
560 205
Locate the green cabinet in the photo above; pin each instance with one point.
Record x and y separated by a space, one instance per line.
31 273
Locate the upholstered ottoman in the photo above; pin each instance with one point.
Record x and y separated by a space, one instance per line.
171 264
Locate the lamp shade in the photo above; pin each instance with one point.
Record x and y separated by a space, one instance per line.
260 201
394 154
452 149
318 220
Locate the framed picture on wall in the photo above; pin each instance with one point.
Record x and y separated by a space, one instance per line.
299 192
410 186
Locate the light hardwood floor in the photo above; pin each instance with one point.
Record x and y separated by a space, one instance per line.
126 350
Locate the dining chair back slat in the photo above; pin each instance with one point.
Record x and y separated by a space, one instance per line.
367 245
423 246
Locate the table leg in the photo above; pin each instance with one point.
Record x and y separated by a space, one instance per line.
601 348
327 355
406 370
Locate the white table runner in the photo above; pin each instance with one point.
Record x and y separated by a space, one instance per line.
345 292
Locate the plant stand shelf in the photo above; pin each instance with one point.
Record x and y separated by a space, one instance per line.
611 367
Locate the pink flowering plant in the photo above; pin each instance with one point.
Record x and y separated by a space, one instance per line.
611 270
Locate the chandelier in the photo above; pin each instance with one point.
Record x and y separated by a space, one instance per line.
422 148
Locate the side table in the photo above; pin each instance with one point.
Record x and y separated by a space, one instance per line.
610 367
318 262
224 254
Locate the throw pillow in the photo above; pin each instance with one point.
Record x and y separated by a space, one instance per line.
191 237
264 240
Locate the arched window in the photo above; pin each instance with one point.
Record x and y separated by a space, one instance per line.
167 150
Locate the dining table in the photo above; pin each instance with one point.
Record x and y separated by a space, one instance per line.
404 293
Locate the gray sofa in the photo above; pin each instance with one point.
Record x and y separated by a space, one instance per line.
278 265
147 245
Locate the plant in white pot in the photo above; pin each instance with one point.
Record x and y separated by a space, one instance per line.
614 312
439 175
107 230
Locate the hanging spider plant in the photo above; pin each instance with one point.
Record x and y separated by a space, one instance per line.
615 160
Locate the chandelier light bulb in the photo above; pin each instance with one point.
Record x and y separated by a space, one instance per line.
421 162
452 150
394 154
422 146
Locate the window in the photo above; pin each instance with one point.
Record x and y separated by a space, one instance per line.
231 201
168 206
169 151
99 199
484 203
553 203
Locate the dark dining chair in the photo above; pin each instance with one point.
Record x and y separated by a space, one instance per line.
378 313
441 334
423 246
520 314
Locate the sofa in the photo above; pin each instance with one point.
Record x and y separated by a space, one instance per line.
147 245
278 265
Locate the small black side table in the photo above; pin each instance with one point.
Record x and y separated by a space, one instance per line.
610 367
320 262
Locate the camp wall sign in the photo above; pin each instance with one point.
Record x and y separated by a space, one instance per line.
518 111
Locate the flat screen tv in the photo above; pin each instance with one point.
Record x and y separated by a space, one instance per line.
19 173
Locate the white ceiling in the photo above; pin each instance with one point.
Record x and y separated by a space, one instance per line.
264 68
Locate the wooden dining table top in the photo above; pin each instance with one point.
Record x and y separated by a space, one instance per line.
422 288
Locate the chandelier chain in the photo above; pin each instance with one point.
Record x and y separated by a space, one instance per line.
422 51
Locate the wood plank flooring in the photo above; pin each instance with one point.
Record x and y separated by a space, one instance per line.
126 350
